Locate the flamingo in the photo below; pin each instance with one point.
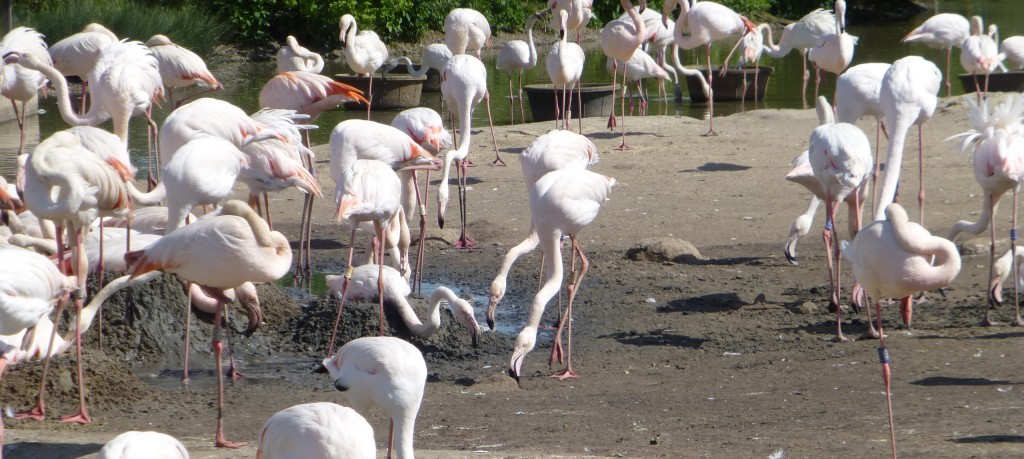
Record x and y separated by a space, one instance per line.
707 22
425 127
319 430
364 52
464 86
835 52
145 220
435 56
367 190
659 38
806 33
944 31
383 372
561 202
397 291
19 83
278 163
565 67
76 54
908 95
307 93
893 258
466 30
1013 47
126 81
858 93
619 38
153 445
840 156
220 252
751 47
295 57
636 69
550 152
517 56
997 145
67 184
979 53
580 12
180 68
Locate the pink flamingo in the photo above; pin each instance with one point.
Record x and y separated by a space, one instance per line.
320 430
707 22
944 31
840 156
561 202
466 30
550 152
19 83
76 54
387 373
180 68
565 67
364 52
893 258
619 38
307 93
220 252
979 53
997 147
516 56
806 33
580 12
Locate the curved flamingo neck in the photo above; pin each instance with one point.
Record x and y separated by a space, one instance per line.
260 230
529 40
410 68
94 116
946 263
405 425
638 22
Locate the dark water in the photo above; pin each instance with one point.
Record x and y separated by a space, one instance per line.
878 43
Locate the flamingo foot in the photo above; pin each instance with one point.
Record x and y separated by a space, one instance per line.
840 338
623 146
81 418
556 352
498 161
220 442
612 122
465 242
37 412
235 375
872 334
710 133
564 374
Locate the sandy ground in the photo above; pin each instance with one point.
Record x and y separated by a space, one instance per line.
675 357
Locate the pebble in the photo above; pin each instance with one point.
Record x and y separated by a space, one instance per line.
807 307
650 301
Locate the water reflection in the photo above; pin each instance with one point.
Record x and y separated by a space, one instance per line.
878 43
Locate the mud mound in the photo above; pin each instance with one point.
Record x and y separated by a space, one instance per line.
145 325
109 385
446 352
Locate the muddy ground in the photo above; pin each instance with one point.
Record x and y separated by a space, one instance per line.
728 354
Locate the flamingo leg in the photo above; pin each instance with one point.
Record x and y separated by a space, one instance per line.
266 204
19 115
920 170
369 98
464 241
612 122
344 290
38 412
883 358
573 288
391 438
490 121
831 242
511 100
85 94
78 258
579 104
558 114
991 264
421 250
949 56
522 111
380 274
218 349
3 365
188 333
711 97
806 74
1013 256
556 344
622 105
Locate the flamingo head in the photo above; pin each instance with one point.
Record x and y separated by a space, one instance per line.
525 343
642 7
250 300
347 25
563 18
333 365
840 10
463 312
496 294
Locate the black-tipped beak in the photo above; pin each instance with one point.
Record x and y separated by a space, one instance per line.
11 57
512 374
561 34
490 323
440 222
338 385
320 369
476 339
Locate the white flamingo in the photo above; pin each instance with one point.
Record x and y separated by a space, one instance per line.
364 52
19 83
180 68
295 57
806 33
154 445
565 67
944 31
515 57
466 30
387 373
319 430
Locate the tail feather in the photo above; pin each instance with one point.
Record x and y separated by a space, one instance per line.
356 95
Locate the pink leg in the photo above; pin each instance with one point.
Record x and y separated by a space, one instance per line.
391 438
949 55
622 105
380 276
558 112
490 121
883 357
1013 256
464 242
803 92
711 97
831 240
573 288
344 290
218 349
612 122
369 97
992 299
188 333
421 250
920 171
266 205
83 415
38 412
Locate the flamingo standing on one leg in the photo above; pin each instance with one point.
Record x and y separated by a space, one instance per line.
835 52
997 145
561 202
707 22
18 83
364 52
619 39
806 33
464 86
909 95
466 30
944 31
565 67
384 372
893 258
320 430
840 156
549 152
295 57
517 56
180 68
363 285
220 252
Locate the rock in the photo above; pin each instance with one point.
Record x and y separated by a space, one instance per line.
662 249
807 307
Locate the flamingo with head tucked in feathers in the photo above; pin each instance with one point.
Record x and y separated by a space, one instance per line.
76 54
466 31
180 68
319 430
295 57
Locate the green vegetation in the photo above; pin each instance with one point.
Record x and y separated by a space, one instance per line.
261 25
187 24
